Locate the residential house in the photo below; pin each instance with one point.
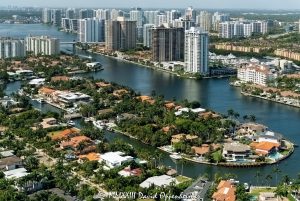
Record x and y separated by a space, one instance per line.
74 143
28 186
205 149
115 159
236 151
65 134
225 192
59 78
183 137
49 122
265 148
146 99
197 191
128 172
10 163
158 181
90 157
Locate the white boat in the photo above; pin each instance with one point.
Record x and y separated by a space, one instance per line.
98 124
40 100
175 156
71 123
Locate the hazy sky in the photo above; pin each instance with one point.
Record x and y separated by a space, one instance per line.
257 4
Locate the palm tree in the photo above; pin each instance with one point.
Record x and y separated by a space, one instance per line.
276 170
281 191
268 178
252 118
286 179
257 176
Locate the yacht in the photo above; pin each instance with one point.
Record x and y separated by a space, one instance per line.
71 123
98 124
175 156
40 100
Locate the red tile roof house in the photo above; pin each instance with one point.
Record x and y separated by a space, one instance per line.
127 172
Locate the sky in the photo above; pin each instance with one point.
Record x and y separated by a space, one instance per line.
218 4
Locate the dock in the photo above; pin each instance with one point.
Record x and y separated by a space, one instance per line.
72 116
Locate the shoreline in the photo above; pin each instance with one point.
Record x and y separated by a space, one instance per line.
160 69
268 99
232 165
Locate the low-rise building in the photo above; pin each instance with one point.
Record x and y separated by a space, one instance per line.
10 163
257 74
115 159
183 137
158 181
49 122
236 151
128 172
225 192
265 148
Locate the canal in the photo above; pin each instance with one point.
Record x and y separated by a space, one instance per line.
215 94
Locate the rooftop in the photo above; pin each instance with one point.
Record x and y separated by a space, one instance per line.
160 181
16 173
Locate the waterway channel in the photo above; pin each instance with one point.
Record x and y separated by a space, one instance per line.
215 94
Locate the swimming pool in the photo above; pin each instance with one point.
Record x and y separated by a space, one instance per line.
275 156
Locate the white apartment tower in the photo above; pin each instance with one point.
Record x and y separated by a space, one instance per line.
196 51
42 45
91 30
137 15
10 48
204 20
46 15
147 35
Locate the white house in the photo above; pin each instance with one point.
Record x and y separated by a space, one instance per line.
115 159
159 181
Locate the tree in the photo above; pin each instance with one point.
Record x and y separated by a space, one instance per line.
31 163
268 178
281 191
276 170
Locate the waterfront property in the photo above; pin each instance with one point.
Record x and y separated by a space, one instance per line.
225 191
158 181
236 151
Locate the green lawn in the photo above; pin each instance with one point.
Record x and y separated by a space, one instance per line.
182 179
257 191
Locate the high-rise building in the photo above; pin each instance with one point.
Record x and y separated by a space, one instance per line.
10 48
137 15
190 14
167 43
65 24
103 14
204 20
91 30
147 38
217 18
151 17
183 23
46 15
230 29
161 19
114 14
74 25
86 13
172 15
56 17
42 45
70 13
120 34
226 30
196 51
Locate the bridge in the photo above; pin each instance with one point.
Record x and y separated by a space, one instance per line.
88 43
